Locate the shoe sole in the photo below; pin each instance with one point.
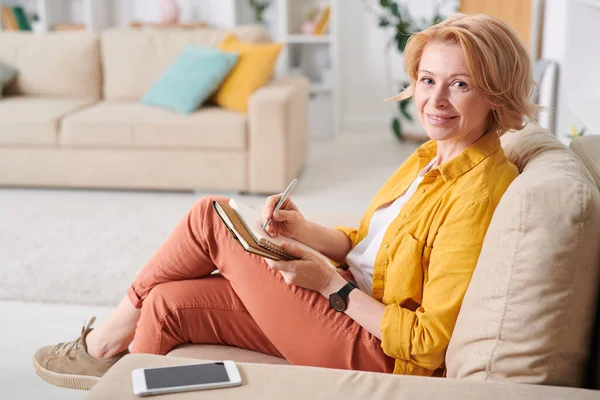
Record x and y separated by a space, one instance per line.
81 382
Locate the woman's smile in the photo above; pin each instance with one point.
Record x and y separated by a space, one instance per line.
439 120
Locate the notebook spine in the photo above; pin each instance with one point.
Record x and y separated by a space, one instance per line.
272 247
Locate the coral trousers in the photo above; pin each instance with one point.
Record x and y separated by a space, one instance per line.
247 304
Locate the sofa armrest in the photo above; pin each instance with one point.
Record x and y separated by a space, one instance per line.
278 137
261 381
588 150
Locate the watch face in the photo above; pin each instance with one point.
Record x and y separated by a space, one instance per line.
336 302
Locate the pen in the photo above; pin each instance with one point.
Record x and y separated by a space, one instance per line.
286 193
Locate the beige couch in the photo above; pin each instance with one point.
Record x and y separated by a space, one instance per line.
528 323
73 118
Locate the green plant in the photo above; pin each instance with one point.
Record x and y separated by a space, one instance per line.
259 8
396 16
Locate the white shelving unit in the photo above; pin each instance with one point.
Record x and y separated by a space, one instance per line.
313 56
91 13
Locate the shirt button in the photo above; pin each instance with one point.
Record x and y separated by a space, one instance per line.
385 245
422 190
402 216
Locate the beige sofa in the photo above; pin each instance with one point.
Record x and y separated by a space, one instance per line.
73 118
529 321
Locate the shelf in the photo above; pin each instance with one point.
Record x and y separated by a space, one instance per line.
317 88
307 39
587 111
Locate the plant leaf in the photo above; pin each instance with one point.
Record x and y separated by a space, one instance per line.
384 3
395 10
397 128
403 106
401 40
383 22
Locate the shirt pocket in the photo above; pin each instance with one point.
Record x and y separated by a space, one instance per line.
404 277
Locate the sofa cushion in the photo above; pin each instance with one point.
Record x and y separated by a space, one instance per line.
133 59
528 313
65 64
255 67
29 120
588 149
301 383
218 352
191 79
130 124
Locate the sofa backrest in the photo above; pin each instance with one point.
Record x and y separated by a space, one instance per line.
530 308
64 64
133 59
588 150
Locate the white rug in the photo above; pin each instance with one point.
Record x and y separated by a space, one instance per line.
85 247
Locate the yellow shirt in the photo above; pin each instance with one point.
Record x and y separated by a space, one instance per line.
430 250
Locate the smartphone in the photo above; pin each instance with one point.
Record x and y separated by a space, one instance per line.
182 378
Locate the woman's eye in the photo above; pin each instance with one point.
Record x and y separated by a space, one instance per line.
427 81
461 84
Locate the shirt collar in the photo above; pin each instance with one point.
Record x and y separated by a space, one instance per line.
465 161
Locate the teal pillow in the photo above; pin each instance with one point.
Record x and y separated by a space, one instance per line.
192 78
7 75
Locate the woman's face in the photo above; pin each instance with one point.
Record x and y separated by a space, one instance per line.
448 104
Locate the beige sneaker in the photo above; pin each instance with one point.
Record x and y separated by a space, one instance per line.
69 364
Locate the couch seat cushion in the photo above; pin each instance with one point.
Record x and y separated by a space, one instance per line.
296 382
28 120
130 124
218 352
530 307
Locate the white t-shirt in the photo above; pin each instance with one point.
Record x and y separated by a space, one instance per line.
362 257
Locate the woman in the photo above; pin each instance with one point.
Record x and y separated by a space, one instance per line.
412 255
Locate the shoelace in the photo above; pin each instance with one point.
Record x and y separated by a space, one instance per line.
66 348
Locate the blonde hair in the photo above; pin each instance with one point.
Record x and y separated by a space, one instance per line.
497 60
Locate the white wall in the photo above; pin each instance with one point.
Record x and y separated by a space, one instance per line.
362 67
554 48
571 32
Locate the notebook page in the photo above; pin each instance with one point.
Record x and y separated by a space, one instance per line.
251 218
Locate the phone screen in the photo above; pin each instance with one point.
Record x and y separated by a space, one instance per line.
158 378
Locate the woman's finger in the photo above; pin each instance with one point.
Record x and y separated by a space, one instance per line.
284 216
270 206
293 249
285 266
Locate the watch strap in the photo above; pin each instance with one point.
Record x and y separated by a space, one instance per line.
345 291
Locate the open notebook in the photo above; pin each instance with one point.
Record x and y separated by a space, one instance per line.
244 224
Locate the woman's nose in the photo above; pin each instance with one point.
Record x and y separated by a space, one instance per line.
439 97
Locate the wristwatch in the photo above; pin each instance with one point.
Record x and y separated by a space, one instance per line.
338 300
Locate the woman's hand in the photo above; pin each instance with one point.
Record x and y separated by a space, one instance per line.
287 221
310 271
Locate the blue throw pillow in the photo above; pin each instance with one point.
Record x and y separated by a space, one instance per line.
191 79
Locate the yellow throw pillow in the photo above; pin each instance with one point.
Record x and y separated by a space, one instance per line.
254 68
